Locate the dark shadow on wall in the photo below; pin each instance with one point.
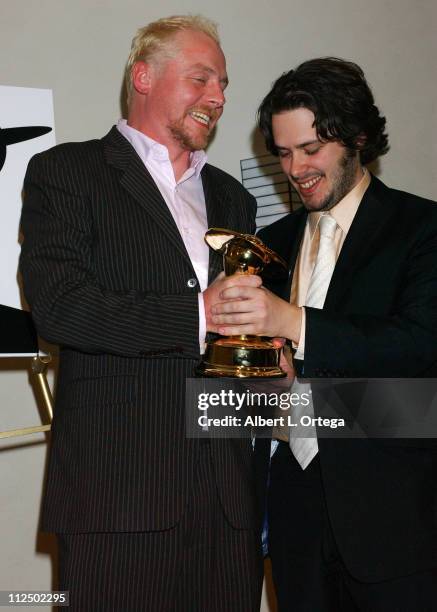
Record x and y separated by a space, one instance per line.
257 143
45 544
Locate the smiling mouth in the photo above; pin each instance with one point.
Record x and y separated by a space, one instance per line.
200 117
310 184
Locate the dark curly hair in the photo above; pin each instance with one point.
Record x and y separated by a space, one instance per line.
337 92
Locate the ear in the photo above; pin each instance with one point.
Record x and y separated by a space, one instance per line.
361 141
141 77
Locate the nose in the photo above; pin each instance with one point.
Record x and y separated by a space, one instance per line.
294 165
216 96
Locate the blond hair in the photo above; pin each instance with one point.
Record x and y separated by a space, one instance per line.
153 43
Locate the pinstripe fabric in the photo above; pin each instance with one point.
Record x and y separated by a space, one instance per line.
201 565
105 272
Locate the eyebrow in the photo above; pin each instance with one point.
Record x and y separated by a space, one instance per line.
308 143
199 66
300 146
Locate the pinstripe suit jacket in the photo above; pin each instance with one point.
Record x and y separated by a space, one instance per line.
106 274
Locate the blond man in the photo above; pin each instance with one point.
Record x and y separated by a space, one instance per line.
116 271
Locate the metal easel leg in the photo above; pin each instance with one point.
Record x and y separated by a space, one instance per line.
39 368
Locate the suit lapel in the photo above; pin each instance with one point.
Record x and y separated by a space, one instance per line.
365 235
217 211
137 181
285 237
216 199
295 239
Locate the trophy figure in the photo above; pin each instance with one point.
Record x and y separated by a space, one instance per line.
243 356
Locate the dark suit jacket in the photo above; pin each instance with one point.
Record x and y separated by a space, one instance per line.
108 278
379 320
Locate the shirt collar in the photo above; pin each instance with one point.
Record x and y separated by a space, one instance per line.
345 211
149 149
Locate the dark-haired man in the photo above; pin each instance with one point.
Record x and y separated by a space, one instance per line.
352 522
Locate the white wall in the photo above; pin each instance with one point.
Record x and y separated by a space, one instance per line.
79 48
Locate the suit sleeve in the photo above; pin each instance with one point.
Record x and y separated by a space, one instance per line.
69 306
402 343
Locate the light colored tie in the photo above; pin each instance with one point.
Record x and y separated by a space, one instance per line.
325 263
306 448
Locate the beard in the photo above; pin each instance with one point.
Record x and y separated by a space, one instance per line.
343 180
191 140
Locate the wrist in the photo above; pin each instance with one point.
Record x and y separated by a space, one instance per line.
293 323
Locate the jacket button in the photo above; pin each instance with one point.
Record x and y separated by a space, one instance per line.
192 282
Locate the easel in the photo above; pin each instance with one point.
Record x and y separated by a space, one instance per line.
19 339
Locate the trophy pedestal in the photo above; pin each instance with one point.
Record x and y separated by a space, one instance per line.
241 357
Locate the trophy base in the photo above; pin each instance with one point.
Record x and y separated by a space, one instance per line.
241 357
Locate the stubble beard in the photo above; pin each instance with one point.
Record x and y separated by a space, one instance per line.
343 180
188 141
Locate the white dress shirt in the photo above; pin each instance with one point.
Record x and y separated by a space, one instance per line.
185 200
343 213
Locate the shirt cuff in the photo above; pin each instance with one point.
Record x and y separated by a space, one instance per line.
202 324
300 348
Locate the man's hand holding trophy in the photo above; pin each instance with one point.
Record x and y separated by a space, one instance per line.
242 311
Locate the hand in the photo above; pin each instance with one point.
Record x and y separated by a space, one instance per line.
249 308
286 360
211 295
287 364
275 385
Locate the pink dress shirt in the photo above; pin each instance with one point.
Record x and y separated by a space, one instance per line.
185 200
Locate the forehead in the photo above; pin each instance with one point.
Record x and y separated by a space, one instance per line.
195 47
293 127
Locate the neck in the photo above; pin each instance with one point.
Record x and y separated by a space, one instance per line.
358 175
180 162
179 157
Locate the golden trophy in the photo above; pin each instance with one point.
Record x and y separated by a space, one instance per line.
243 356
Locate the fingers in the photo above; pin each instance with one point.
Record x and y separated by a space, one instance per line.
238 282
244 311
239 299
236 288
240 317
238 330
265 313
240 292
247 308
